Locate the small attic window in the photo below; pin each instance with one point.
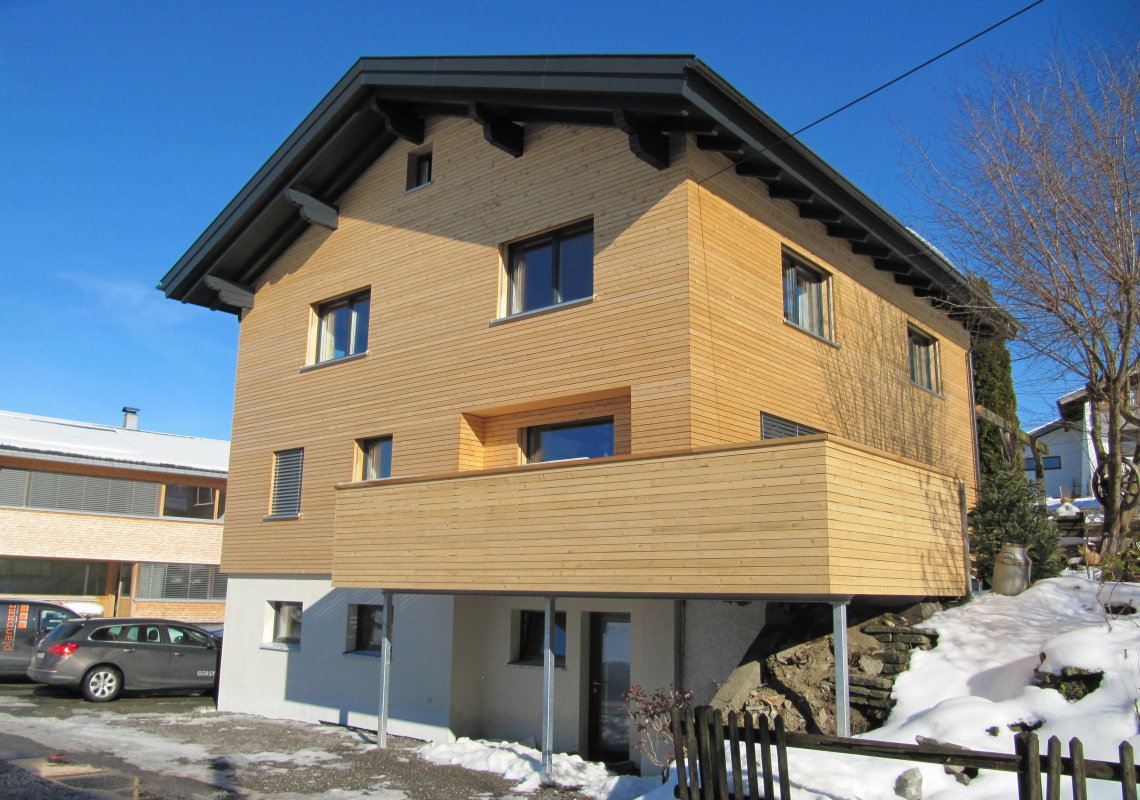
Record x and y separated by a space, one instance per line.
419 169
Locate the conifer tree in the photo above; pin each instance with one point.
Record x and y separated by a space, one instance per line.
993 388
1008 512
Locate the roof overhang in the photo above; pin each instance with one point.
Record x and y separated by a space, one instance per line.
649 97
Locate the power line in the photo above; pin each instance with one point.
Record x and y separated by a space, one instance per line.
879 89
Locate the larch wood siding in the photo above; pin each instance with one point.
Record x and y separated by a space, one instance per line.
684 343
764 518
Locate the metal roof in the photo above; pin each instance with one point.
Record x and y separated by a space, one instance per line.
69 441
647 96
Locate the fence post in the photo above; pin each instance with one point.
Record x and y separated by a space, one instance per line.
721 766
1053 781
677 731
734 743
1028 767
1128 770
750 755
694 754
766 756
1077 754
782 759
705 758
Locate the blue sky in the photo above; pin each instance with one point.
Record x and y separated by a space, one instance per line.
128 126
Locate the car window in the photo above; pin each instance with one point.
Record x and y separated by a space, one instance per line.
187 637
63 631
51 617
111 634
149 634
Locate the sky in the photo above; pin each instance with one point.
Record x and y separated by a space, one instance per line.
128 126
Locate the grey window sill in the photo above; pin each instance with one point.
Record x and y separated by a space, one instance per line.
534 312
331 361
278 517
812 334
414 188
939 395
282 647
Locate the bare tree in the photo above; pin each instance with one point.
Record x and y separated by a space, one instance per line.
1038 193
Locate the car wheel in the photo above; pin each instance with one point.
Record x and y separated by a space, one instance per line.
102 684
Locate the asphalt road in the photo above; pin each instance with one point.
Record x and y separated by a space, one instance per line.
181 748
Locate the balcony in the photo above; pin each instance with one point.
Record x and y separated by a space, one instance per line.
809 516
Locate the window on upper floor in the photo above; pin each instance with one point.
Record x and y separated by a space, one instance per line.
807 297
285 496
419 170
375 458
554 268
342 328
591 438
196 502
923 359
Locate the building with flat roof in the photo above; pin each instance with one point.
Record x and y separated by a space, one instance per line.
124 519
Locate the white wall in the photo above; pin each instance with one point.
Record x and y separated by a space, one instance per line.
319 682
1071 447
717 634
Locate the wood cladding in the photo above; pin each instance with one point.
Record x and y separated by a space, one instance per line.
684 341
813 515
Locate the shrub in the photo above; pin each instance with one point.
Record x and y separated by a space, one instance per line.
1008 512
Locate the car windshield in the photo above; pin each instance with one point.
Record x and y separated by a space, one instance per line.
63 631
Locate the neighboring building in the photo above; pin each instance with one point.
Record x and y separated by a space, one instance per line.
1071 463
628 344
125 519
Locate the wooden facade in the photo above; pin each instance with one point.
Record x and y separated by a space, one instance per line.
684 343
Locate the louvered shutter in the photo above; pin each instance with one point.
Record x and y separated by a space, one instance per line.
287 482
13 487
772 427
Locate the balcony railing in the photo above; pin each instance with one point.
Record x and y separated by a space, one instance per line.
813 515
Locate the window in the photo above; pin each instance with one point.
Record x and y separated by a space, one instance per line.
181 582
773 427
375 458
187 637
135 634
923 360
365 629
531 635
70 492
286 495
196 502
419 170
807 297
1047 462
592 438
550 269
44 576
286 622
342 328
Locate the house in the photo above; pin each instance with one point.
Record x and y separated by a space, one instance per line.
123 521
555 370
1069 468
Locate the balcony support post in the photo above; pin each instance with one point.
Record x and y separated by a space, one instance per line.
842 670
548 693
385 674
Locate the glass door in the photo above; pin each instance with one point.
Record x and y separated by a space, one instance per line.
609 680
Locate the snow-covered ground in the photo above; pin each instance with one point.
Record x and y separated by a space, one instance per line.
969 690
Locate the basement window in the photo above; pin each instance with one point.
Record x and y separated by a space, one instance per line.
365 633
287 622
531 635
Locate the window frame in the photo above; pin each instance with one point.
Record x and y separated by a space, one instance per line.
278 607
794 264
527 438
276 509
1030 464
511 287
929 344
320 321
353 629
416 162
529 619
361 461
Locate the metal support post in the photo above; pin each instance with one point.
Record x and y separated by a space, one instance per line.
548 693
385 674
842 677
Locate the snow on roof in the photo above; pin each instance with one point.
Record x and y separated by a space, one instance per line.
1047 427
32 436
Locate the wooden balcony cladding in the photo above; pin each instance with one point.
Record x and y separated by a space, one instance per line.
814 515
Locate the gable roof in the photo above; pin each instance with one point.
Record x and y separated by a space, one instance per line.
69 441
647 96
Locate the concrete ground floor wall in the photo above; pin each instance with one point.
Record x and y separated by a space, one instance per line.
455 659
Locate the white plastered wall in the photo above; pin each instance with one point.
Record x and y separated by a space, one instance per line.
319 682
493 699
717 635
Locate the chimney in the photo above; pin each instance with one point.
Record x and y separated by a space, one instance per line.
130 418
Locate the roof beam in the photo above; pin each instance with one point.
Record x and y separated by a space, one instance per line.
400 120
821 213
648 144
915 281
783 191
497 129
721 143
870 249
313 210
852 233
763 170
890 265
233 294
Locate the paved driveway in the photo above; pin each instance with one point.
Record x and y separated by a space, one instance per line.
163 747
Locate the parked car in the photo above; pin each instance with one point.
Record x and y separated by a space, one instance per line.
103 657
25 623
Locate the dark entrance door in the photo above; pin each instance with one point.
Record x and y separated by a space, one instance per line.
609 680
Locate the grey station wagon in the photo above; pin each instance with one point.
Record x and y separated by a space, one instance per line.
103 657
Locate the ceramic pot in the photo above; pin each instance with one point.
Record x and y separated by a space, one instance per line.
1011 570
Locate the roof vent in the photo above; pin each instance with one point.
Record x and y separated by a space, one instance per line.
130 418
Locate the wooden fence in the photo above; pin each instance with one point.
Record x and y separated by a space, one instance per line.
700 735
